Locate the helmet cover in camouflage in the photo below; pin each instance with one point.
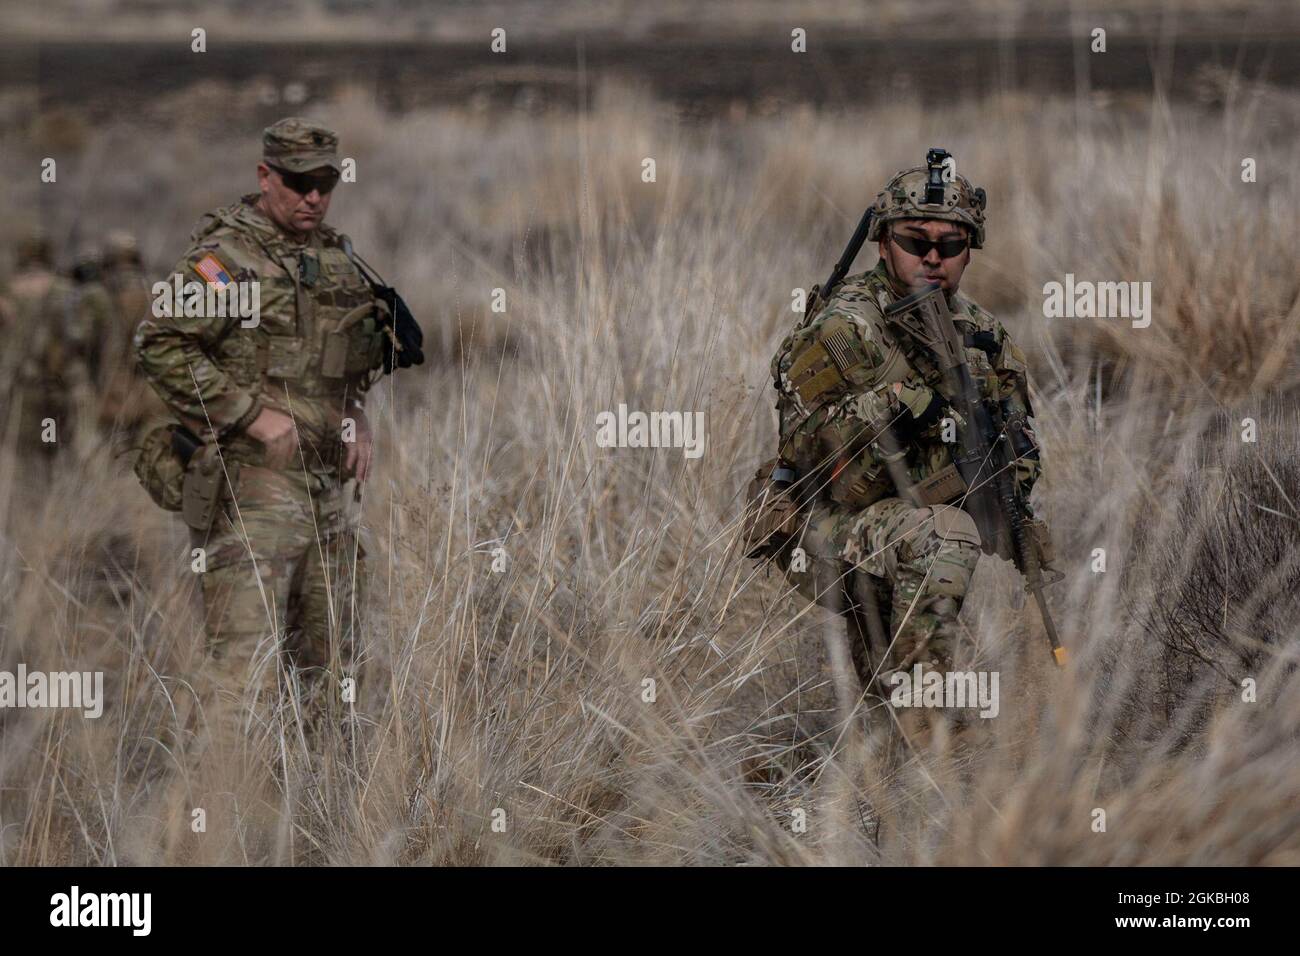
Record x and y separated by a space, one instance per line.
299 145
87 255
120 246
904 198
34 248
86 264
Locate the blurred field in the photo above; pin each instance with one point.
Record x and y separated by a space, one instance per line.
459 20
523 690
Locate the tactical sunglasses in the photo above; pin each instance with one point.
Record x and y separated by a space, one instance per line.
916 246
303 183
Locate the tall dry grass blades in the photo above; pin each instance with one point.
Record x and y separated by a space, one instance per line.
521 697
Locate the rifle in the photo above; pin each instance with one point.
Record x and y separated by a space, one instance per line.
820 293
405 340
985 452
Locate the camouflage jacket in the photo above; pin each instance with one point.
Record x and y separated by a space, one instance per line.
94 309
125 397
834 441
46 348
315 346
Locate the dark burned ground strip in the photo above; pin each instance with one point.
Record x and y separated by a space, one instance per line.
699 75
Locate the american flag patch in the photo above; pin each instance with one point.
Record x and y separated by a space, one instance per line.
213 271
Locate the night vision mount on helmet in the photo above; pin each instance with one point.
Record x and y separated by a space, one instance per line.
942 195
932 191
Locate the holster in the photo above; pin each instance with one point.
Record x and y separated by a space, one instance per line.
184 444
205 481
771 512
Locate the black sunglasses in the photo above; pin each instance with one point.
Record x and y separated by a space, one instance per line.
916 246
303 183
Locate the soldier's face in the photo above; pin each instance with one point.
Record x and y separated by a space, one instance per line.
294 212
918 271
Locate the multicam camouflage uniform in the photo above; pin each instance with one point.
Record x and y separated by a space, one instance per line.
283 555
93 308
126 403
45 371
917 555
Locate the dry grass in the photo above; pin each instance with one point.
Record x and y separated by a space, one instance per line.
522 690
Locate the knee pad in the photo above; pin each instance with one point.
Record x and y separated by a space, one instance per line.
957 549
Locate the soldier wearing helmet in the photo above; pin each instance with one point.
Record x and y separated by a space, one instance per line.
126 402
34 250
44 371
863 443
92 321
121 250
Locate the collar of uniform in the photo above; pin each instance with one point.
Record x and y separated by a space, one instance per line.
965 312
267 232
961 307
881 274
878 280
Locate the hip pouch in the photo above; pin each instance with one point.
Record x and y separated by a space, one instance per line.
771 513
161 464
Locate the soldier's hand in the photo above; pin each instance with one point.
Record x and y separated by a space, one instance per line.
278 437
357 457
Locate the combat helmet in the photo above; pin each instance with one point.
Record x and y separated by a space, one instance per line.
34 248
120 247
86 264
930 192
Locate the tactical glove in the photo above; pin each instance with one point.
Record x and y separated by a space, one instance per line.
920 408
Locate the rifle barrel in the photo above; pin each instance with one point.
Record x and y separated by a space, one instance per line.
850 252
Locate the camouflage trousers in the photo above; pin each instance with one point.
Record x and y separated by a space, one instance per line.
913 564
284 564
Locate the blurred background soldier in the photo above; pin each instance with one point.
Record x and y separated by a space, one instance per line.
126 403
46 377
93 309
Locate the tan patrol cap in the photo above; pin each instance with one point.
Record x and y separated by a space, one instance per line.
299 145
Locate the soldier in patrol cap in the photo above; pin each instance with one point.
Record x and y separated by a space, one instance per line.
879 501
275 444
